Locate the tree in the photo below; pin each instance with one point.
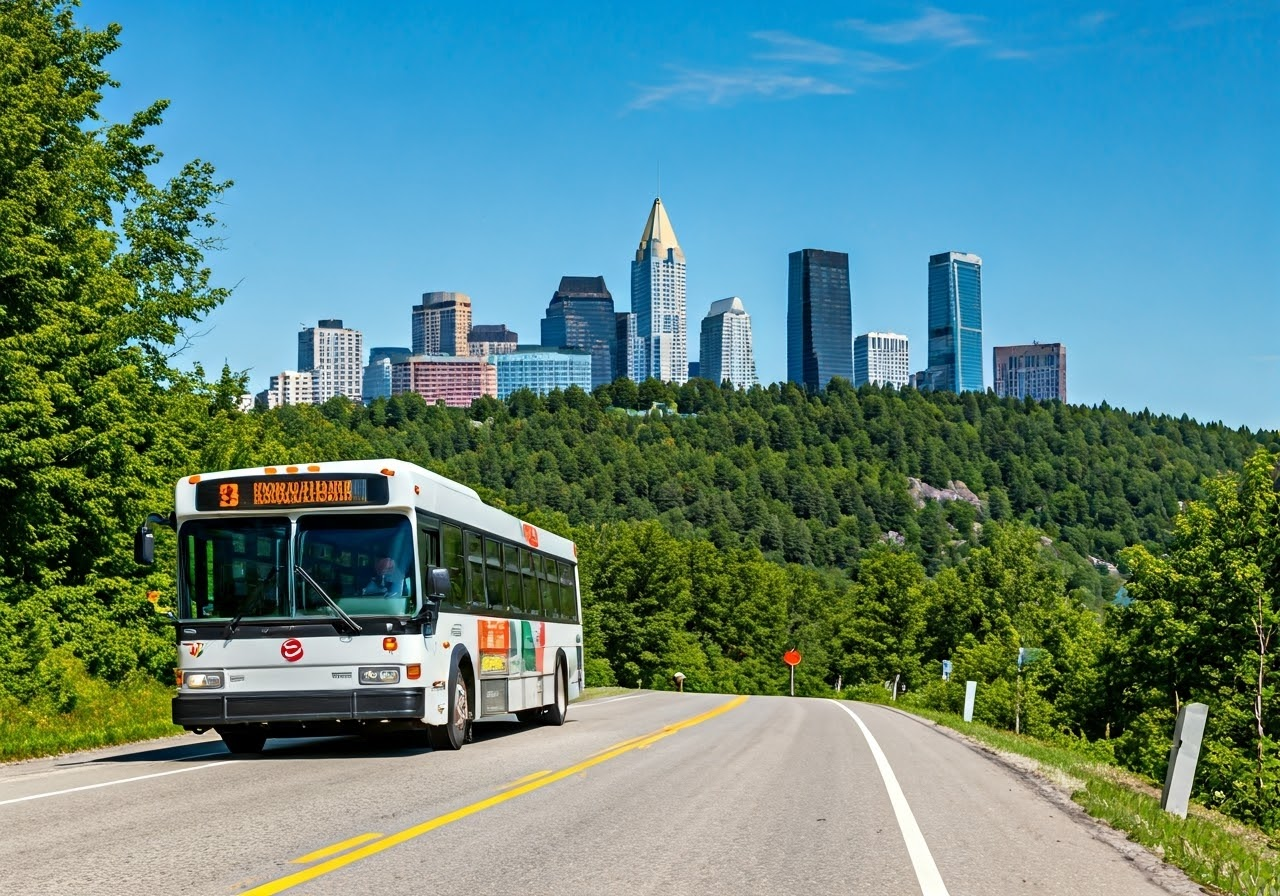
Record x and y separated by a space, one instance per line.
101 271
1201 627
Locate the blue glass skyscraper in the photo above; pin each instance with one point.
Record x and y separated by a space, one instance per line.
581 316
819 318
955 323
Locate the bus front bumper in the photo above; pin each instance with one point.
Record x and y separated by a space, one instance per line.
366 705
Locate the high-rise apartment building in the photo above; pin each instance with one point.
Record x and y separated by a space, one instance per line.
881 358
581 316
628 356
456 381
725 350
491 339
442 324
658 299
377 373
334 355
1036 371
955 322
819 318
543 370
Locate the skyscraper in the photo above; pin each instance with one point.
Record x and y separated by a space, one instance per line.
1036 371
880 358
819 318
658 299
581 316
442 323
725 350
628 350
491 339
955 322
334 356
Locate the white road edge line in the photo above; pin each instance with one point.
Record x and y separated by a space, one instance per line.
176 771
921 859
588 703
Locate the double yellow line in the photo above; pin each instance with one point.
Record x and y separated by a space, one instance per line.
370 849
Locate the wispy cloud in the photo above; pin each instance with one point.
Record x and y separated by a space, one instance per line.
722 88
932 26
784 47
1094 20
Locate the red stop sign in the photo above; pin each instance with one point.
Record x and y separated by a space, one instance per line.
791 657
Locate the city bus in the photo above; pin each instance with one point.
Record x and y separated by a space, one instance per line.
364 597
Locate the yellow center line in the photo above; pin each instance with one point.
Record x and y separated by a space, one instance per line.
364 852
336 848
533 777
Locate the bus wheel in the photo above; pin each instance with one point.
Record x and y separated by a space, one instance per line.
243 740
557 711
454 733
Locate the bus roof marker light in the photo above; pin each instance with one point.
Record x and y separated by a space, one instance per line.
313 468
291 469
387 471
193 479
270 471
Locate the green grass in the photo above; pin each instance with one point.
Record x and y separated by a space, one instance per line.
102 716
1213 850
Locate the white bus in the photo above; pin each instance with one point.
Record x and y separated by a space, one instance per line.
364 596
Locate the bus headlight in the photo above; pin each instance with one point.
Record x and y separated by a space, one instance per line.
202 680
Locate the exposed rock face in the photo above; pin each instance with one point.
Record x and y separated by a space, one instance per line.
955 491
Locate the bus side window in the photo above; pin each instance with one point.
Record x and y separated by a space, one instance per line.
568 603
475 569
451 559
511 567
548 586
529 583
493 583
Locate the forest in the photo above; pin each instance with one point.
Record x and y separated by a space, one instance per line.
1092 568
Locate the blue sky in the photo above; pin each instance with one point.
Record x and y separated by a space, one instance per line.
1116 167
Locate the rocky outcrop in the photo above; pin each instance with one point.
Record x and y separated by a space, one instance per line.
955 491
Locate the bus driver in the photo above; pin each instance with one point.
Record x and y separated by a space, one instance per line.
387 578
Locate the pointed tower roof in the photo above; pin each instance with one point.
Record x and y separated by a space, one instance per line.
658 230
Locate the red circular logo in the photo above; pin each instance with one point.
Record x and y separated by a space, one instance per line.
291 650
791 657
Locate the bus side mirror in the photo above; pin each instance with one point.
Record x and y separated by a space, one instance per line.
438 583
144 546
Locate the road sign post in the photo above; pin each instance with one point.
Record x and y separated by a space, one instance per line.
792 658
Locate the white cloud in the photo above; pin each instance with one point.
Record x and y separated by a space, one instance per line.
721 88
932 26
789 48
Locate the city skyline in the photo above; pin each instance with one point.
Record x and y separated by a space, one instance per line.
1113 169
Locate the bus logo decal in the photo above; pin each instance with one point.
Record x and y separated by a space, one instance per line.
196 649
291 650
530 534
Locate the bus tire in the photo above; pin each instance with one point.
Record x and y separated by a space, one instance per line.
457 730
241 741
559 707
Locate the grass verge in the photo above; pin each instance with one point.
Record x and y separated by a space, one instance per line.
102 716
1213 850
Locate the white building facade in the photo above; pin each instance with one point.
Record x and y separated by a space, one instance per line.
333 354
882 359
725 349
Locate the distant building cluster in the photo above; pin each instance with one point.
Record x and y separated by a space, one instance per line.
586 342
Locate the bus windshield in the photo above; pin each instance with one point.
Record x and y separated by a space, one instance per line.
244 567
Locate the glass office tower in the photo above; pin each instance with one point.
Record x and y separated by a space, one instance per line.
819 318
955 322
581 316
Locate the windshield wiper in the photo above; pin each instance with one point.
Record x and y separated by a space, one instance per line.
327 599
257 601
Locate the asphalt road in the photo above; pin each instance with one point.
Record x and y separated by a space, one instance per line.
650 793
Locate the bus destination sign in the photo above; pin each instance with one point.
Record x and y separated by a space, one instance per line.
305 490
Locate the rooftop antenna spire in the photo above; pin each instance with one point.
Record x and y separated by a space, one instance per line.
659 194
